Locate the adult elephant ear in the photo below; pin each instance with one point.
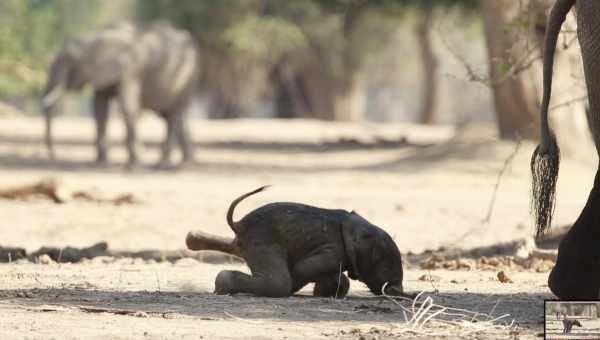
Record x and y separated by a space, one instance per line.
109 54
358 242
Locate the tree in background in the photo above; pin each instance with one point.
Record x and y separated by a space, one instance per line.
426 21
305 48
304 58
514 32
236 46
32 30
307 55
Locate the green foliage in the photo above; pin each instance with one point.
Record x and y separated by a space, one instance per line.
268 29
33 30
279 37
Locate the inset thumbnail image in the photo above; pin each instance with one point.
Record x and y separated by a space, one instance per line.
572 320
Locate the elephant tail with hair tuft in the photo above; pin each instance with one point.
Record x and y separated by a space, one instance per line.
546 157
234 225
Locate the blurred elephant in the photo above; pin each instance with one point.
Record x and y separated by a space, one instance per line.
154 68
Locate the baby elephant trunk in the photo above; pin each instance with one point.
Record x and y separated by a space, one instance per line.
203 241
396 289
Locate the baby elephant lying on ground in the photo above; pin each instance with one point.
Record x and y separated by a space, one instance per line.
288 245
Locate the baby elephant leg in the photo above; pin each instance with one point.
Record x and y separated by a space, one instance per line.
336 286
270 275
324 270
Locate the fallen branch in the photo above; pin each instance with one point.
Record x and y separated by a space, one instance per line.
52 190
507 163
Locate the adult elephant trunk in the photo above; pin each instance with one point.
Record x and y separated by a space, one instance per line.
52 99
49 104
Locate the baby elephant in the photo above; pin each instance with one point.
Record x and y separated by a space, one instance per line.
288 245
568 325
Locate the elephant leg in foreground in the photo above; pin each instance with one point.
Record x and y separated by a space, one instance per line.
576 274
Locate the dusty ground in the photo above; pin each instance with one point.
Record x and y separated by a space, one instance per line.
432 190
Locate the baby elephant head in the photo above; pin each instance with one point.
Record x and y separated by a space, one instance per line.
374 257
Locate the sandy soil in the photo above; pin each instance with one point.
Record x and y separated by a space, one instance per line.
432 189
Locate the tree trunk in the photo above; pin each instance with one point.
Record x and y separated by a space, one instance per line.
430 65
348 99
226 79
317 89
515 96
289 95
310 89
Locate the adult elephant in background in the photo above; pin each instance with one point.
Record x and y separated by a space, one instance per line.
576 274
153 67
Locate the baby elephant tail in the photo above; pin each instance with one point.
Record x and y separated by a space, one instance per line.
234 225
203 241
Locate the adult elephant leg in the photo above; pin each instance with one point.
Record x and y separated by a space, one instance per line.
270 275
129 99
183 139
101 106
167 146
577 271
576 274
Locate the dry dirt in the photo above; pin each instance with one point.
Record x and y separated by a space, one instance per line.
428 187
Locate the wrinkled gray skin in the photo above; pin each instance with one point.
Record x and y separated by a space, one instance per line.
153 68
288 245
576 274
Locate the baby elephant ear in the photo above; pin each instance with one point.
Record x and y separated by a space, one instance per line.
350 248
357 242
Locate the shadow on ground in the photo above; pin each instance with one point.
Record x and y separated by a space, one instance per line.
411 157
524 309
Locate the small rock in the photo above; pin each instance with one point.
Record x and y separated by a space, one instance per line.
187 262
21 261
430 278
493 262
502 277
45 259
140 314
138 261
458 281
465 264
124 261
103 259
